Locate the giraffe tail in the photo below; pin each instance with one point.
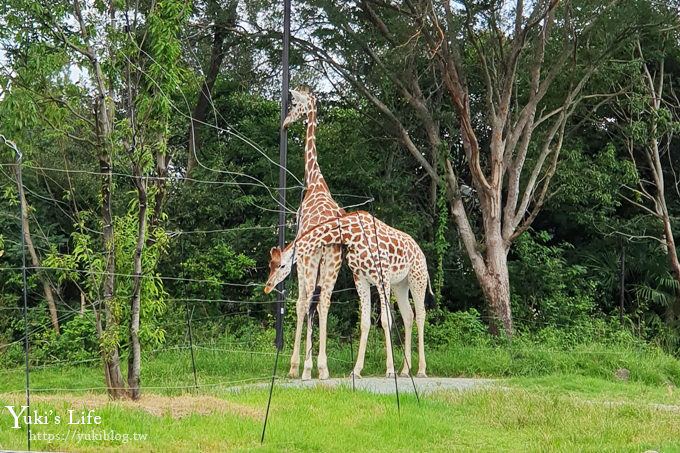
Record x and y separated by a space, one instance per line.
429 295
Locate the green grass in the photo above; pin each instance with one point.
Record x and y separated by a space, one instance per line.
515 418
545 399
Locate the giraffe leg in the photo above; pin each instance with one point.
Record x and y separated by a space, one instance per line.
364 290
301 308
418 285
401 293
330 268
310 269
387 322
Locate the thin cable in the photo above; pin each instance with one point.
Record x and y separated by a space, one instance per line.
388 311
158 387
118 274
228 131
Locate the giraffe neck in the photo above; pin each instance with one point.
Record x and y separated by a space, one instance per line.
313 177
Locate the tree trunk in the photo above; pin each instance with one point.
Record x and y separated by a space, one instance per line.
670 242
115 384
491 268
35 260
103 125
160 183
134 360
495 285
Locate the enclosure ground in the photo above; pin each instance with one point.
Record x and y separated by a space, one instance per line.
560 413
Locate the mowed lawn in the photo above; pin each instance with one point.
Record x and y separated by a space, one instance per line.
554 413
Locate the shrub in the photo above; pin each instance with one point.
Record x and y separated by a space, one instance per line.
77 341
463 327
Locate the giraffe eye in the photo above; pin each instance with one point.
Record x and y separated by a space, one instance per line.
282 266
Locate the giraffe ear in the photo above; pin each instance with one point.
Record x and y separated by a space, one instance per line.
275 253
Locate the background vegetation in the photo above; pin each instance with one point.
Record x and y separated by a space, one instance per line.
592 285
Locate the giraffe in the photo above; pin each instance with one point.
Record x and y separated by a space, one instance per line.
378 255
321 267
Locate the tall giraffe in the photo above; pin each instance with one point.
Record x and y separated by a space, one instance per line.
378 255
323 265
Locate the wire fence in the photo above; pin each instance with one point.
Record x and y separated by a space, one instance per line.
237 179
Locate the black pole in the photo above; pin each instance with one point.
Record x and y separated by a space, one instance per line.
408 360
20 185
271 390
351 357
622 282
191 342
388 310
250 340
283 161
189 316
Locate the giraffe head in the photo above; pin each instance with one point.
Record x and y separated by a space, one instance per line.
303 103
280 265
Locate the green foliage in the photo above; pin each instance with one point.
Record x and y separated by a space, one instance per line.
546 289
76 342
456 328
441 244
221 264
589 186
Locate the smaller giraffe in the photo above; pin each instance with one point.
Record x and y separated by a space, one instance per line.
378 255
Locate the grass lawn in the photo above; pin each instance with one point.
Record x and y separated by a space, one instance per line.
543 400
554 413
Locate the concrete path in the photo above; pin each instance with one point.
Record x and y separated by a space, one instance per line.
382 385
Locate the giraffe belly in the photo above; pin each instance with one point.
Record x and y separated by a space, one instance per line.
397 276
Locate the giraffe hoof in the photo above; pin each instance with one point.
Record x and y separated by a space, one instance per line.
404 373
323 375
306 376
355 375
421 375
390 374
293 374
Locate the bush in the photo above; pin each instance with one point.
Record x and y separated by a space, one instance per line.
77 341
548 290
463 327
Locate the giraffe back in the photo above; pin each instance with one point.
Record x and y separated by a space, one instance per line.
375 250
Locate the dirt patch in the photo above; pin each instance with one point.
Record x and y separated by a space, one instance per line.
175 406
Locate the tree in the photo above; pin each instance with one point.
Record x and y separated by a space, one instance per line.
650 120
489 82
131 60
